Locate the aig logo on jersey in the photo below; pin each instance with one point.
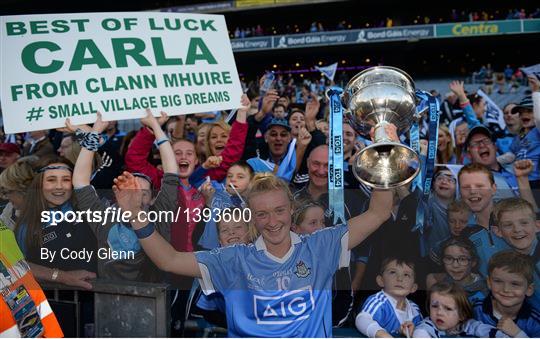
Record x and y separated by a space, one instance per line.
286 308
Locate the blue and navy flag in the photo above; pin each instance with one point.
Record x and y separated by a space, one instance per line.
494 115
328 71
285 170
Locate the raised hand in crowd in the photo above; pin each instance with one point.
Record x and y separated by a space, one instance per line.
534 83
457 87
99 126
522 168
168 159
152 123
304 137
268 102
312 108
128 193
241 114
82 172
212 161
208 191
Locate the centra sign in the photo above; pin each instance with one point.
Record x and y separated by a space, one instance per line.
472 29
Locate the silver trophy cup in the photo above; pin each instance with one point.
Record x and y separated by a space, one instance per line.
379 96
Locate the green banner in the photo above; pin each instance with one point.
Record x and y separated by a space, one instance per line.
531 26
478 28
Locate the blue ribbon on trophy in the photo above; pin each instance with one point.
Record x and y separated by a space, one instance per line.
431 104
335 155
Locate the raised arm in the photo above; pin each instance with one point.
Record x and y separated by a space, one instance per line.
166 258
82 172
380 207
241 114
312 109
235 145
168 160
459 90
535 87
304 138
522 169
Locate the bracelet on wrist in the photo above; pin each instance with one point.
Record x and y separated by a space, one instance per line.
88 140
162 141
145 232
55 273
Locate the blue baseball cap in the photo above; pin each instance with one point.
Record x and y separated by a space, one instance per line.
279 122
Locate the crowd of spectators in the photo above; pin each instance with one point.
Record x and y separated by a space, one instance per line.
479 231
321 26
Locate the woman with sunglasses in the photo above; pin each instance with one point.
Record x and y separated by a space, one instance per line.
128 261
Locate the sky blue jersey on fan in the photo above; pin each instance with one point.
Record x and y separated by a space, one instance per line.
266 296
528 147
383 310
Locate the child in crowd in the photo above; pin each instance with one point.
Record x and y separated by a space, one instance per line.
517 225
451 315
477 187
458 215
444 193
308 217
389 312
510 281
459 261
458 218
212 307
238 177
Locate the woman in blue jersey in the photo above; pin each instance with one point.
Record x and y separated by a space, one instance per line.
279 286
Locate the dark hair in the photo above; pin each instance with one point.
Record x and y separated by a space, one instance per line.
399 261
35 203
474 98
280 105
513 262
244 165
463 243
455 291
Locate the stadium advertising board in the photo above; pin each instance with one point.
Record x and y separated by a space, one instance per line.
352 36
250 44
73 65
478 28
405 33
531 26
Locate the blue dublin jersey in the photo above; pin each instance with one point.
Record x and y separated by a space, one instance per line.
266 296
382 309
468 329
528 147
528 318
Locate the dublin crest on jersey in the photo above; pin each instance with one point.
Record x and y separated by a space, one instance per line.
302 270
